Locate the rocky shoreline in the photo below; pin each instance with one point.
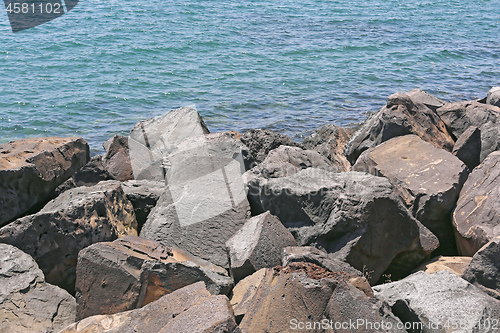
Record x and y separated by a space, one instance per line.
390 227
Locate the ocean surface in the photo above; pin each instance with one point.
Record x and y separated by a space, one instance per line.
289 66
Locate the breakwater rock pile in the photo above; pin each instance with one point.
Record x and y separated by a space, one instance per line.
393 226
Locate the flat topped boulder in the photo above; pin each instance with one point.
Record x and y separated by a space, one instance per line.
413 112
27 302
131 272
31 169
330 141
459 116
204 202
476 218
426 178
74 220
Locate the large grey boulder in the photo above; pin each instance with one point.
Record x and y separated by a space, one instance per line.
356 215
484 269
196 308
351 310
258 244
285 161
426 178
493 97
153 139
413 112
27 302
437 302
476 218
330 141
261 142
459 116
74 220
205 201
131 272
31 169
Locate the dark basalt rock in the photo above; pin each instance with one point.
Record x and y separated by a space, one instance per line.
440 299
261 142
413 112
131 272
459 116
476 218
31 169
426 178
117 158
258 244
346 213
74 220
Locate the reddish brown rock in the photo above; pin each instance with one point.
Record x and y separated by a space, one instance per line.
31 169
426 178
330 141
151 318
476 218
131 272
413 112
74 220
117 158
300 293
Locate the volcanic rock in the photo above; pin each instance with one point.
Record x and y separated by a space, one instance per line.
426 178
261 142
484 269
27 302
459 116
155 316
117 158
476 218
413 112
31 169
205 202
258 244
330 141
131 272
74 220
438 301
353 214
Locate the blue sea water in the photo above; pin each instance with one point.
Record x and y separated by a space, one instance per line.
289 66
